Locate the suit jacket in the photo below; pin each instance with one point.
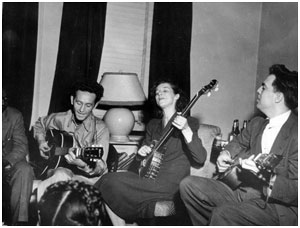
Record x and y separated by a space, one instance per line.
14 140
285 190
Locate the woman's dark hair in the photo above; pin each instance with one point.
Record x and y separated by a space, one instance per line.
88 86
71 203
286 82
181 102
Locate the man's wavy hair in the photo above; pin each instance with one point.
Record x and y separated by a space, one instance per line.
88 86
71 203
286 82
180 104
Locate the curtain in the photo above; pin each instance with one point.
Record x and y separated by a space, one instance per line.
19 37
171 44
46 55
80 49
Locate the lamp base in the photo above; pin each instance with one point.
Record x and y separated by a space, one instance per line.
119 138
120 122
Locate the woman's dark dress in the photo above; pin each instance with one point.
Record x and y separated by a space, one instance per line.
131 196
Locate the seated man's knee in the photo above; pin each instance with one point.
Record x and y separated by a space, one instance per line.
62 174
23 169
186 185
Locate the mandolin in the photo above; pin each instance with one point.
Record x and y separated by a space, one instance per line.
150 165
60 142
266 164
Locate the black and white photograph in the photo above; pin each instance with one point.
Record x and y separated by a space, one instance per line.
149 113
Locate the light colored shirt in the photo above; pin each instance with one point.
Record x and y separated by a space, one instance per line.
271 131
92 131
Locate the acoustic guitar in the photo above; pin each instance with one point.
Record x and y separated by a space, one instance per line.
150 165
60 142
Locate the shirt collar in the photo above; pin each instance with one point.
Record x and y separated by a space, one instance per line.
278 121
86 123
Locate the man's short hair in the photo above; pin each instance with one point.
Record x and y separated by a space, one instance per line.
88 86
286 82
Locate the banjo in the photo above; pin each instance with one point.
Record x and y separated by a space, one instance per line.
150 165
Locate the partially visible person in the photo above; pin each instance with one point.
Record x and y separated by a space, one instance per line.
130 197
87 131
71 203
17 173
263 198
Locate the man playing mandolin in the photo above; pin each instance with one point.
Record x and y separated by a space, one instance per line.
262 196
86 130
130 196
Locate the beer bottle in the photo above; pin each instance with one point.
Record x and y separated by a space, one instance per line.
244 125
235 131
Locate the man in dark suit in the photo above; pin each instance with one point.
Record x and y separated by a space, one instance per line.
260 198
17 173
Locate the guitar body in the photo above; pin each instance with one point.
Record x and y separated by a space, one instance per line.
60 142
56 139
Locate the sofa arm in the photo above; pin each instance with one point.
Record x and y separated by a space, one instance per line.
207 133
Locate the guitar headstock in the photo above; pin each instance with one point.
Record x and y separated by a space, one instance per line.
213 85
92 153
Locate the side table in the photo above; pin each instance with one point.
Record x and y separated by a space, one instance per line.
126 152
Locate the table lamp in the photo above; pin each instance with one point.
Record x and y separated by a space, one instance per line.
121 90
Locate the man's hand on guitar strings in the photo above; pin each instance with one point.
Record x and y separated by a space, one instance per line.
249 164
44 149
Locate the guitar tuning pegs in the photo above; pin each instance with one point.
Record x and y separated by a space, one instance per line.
217 88
208 94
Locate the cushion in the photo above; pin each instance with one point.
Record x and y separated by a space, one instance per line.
207 133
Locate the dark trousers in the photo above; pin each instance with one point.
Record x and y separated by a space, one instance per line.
210 202
20 179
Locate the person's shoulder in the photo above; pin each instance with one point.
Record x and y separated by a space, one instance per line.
99 122
257 120
193 122
154 121
293 120
13 112
60 114
98 119
192 119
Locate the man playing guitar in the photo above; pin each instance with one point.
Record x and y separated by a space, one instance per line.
86 129
258 199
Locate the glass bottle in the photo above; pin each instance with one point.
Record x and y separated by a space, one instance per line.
235 129
244 125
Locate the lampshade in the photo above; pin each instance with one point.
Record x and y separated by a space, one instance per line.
121 90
